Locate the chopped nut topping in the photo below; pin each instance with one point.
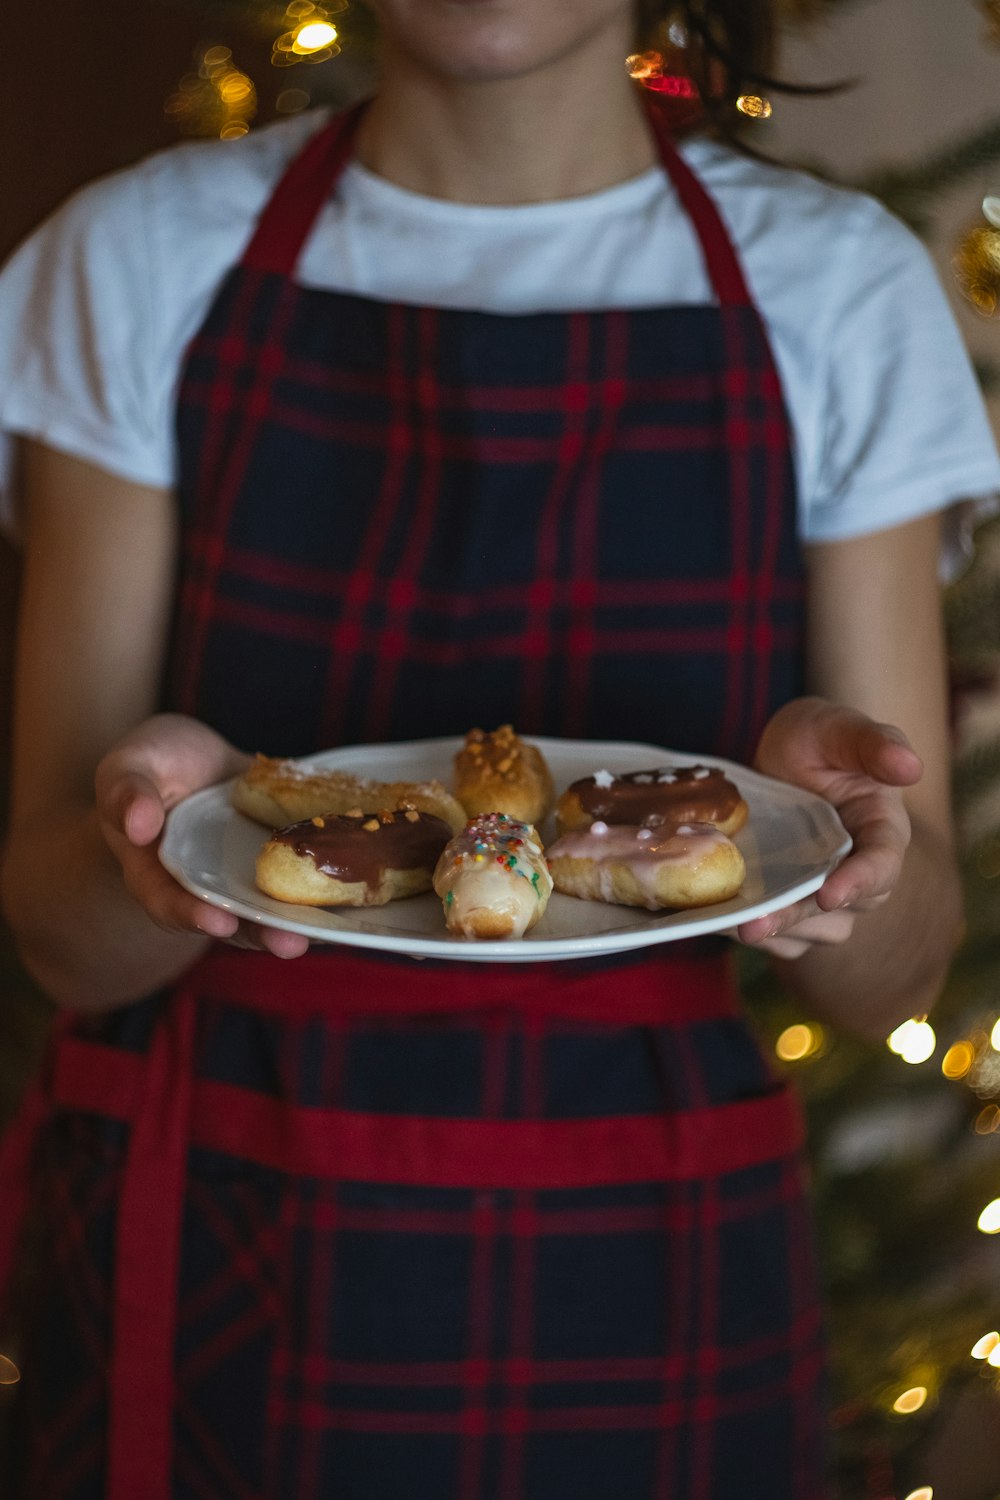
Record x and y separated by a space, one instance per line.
372 825
504 765
319 822
412 816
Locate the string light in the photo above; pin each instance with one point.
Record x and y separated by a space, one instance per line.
754 106
218 99
958 1060
989 1219
910 1401
984 1347
310 35
800 1041
914 1041
314 36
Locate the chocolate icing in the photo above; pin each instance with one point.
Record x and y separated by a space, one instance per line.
695 794
346 847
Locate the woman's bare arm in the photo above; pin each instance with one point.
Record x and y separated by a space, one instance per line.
96 919
876 645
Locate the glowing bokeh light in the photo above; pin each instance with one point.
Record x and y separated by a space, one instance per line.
216 57
754 106
644 65
314 36
958 1060
235 87
989 1219
290 101
914 1041
9 1373
911 1400
800 1041
984 1347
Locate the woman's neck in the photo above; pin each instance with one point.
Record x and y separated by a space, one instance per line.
542 136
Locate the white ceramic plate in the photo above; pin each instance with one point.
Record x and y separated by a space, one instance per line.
791 842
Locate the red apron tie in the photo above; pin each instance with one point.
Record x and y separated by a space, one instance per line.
17 1154
140 1404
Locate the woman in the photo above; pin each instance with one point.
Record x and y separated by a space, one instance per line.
476 419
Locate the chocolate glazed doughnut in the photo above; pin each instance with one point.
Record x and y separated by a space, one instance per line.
670 795
353 858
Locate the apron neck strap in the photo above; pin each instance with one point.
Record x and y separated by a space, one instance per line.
294 206
718 251
290 214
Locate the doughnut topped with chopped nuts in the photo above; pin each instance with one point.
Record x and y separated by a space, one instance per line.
279 792
354 858
499 772
493 878
671 795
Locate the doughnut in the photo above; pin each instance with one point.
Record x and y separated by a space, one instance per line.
279 792
353 858
671 794
655 866
493 879
500 772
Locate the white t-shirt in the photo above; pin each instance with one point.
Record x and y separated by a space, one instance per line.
97 306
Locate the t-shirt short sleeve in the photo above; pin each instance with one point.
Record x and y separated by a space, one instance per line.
900 425
76 340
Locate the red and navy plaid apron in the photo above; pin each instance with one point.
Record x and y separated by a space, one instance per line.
386 1229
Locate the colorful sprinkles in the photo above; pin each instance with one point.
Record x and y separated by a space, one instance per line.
504 841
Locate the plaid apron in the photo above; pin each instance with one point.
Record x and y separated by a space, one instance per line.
386 1229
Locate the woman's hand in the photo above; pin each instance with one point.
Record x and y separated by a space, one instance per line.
860 768
150 771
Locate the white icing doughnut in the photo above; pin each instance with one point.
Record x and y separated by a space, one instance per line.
652 866
492 878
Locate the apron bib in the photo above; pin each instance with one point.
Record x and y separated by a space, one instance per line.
359 1227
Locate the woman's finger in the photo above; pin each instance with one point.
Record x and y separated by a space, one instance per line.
850 741
783 947
129 805
870 871
803 922
776 922
273 940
